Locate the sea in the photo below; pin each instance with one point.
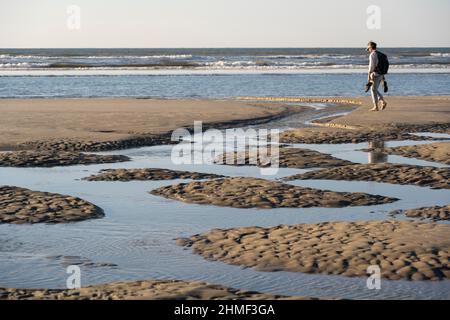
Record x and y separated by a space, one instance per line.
215 72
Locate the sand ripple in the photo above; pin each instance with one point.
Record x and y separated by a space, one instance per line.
287 158
436 178
402 249
148 174
53 158
142 290
20 205
243 192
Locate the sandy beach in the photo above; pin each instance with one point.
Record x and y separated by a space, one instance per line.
84 123
60 132
403 116
418 112
401 110
31 123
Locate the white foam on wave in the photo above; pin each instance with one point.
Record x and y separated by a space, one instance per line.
40 57
164 56
14 65
440 54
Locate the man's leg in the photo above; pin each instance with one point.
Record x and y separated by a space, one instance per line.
380 96
376 95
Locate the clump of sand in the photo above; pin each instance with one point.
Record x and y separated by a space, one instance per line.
332 135
20 205
148 174
437 152
142 290
286 158
402 249
436 178
53 158
245 192
435 213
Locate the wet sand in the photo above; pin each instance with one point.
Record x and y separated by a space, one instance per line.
108 124
421 113
142 290
437 152
435 213
53 158
287 158
435 178
20 205
118 123
331 135
241 192
402 116
148 174
402 249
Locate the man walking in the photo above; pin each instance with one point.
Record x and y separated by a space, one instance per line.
375 77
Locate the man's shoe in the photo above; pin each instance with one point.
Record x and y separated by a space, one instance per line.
385 86
368 85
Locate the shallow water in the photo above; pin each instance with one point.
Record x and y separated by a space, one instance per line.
138 230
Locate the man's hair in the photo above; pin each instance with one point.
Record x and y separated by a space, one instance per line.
372 44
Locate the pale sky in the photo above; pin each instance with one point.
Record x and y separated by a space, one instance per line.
222 23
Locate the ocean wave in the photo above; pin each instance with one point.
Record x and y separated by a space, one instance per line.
95 57
283 59
310 56
170 56
69 65
30 57
215 59
266 63
440 54
215 67
164 56
14 65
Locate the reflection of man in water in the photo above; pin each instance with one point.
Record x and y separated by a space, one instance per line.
376 153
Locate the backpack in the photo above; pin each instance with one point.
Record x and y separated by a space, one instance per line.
383 63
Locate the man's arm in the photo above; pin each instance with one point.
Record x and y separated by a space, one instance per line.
373 61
